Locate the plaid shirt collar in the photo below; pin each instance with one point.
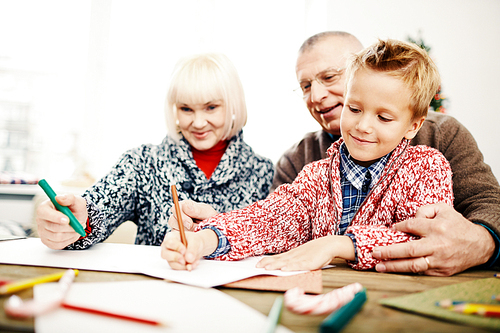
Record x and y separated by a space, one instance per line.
356 173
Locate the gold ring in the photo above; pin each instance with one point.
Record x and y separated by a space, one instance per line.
428 263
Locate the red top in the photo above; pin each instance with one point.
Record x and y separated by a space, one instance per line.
207 160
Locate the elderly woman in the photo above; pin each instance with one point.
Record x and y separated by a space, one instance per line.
203 154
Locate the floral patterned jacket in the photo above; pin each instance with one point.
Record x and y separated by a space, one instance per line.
138 188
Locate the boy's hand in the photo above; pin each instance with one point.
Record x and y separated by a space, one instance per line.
312 255
179 257
53 226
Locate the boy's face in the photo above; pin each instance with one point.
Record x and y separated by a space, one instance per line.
376 116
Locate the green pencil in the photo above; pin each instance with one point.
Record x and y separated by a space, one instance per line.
338 319
73 222
274 316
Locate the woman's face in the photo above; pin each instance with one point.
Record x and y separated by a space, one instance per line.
202 125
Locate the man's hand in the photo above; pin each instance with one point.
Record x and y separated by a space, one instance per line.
192 212
448 244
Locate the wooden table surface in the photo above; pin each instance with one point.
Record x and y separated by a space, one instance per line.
373 317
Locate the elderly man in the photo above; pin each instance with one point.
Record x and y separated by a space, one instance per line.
451 240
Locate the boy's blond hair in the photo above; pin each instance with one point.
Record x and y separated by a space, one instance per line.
405 61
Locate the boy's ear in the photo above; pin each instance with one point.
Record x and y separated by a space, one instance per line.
415 126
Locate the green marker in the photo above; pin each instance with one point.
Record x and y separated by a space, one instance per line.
338 319
73 222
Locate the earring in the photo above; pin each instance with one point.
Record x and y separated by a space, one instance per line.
234 117
177 127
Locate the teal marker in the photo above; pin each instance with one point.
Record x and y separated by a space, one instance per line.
73 222
337 320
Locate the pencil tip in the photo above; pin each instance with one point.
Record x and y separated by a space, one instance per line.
445 303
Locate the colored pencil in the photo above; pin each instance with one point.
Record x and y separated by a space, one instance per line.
486 310
2 282
448 303
111 314
28 283
179 216
274 316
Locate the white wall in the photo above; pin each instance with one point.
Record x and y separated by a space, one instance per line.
146 38
107 63
464 37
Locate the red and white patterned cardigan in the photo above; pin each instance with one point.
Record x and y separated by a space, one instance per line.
295 213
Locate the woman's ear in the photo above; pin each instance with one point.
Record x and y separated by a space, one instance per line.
415 126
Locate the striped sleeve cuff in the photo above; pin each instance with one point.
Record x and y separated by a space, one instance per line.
495 258
353 238
223 246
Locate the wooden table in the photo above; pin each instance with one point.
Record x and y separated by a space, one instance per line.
373 317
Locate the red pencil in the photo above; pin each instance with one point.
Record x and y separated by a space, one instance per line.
111 314
485 310
493 314
2 282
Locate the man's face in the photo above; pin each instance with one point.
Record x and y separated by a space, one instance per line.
325 103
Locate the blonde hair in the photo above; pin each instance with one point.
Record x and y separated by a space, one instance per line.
203 78
405 61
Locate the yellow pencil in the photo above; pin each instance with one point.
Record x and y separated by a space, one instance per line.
477 308
28 283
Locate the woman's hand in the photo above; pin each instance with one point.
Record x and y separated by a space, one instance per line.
192 212
53 226
312 255
201 243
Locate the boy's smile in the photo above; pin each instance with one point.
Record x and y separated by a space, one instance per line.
376 115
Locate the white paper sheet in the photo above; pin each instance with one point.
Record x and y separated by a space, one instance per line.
183 308
127 258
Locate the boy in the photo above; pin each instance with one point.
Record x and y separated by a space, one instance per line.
343 206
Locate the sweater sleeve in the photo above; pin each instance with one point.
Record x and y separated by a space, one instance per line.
114 200
276 224
433 185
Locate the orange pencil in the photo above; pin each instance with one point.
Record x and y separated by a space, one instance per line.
179 216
